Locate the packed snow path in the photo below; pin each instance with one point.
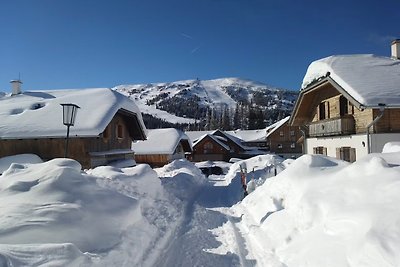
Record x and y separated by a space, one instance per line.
192 238
192 242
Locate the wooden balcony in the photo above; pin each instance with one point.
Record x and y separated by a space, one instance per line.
330 127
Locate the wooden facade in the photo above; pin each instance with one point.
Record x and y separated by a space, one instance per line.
283 141
113 144
350 119
218 146
159 160
209 149
324 110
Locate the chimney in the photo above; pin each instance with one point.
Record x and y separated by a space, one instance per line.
396 49
16 87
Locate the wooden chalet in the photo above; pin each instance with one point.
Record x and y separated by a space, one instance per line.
349 106
282 139
217 145
106 124
162 147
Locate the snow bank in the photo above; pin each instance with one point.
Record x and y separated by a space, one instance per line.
262 162
53 201
391 147
6 162
53 214
324 212
181 178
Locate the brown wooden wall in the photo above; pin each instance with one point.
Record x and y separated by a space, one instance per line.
332 110
157 160
362 118
201 152
389 123
283 136
78 148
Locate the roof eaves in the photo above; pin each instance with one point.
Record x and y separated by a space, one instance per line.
315 86
344 93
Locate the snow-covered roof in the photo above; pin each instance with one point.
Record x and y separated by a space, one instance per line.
368 79
195 135
213 137
162 141
272 128
234 139
38 114
259 134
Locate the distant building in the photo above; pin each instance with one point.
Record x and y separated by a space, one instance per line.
252 138
282 139
349 106
162 147
106 124
219 145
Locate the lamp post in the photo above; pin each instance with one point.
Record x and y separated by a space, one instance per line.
69 115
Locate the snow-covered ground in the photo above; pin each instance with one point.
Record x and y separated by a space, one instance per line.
317 211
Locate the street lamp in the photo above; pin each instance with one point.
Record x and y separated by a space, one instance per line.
69 115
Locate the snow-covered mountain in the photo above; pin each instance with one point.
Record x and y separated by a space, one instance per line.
187 101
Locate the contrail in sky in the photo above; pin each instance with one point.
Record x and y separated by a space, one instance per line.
194 50
186 35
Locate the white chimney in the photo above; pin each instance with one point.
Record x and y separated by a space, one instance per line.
396 49
16 87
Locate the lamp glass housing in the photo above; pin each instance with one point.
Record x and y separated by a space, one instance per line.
69 114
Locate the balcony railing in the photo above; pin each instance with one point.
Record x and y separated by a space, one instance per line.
337 126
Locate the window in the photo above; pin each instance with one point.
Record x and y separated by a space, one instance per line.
346 153
208 147
293 145
320 150
292 133
343 105
322 115
280 146
120 131
281 133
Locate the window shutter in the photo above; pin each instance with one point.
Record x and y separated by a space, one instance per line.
352 154
338 153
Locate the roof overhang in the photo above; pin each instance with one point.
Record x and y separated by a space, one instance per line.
312 95
186 145
135 129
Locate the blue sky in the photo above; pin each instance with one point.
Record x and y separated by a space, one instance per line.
57 44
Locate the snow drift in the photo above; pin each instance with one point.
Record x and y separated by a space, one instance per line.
53 202
324 212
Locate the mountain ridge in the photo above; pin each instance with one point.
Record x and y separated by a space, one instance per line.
193 101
